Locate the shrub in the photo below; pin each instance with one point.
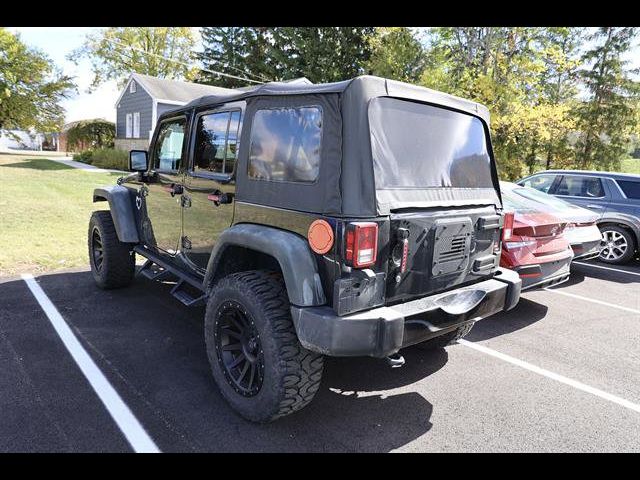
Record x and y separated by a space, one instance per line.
84 157
110 158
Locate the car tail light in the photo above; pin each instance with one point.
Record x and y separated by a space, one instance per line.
507 228
361 241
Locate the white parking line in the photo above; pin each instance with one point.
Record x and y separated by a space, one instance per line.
607 268
592 300
119 411
554 376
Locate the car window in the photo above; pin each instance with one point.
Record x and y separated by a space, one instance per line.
578 186
630 188
539 182
285 144
216 140
168 151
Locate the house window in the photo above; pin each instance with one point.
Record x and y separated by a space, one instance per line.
129 125
136 125
132 87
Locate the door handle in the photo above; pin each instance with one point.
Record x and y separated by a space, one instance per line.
220 198
594 206
173 189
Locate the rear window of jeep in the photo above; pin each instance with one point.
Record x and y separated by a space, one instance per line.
285 144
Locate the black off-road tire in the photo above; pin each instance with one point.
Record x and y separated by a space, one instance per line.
628 239
291 374
118 263
447 339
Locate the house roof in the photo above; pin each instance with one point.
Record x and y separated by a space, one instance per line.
172 91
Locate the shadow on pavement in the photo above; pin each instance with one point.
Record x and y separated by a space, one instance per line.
39 164
151 348
579 272
526 313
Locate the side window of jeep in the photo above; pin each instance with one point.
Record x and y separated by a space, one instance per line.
168 150
285 144
216 142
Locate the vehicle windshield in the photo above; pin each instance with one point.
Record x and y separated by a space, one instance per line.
422 146
513 202
541 197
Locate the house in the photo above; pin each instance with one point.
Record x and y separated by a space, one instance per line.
144 98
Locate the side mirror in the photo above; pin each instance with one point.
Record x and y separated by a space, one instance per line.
138 161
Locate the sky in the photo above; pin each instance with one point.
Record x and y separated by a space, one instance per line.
58 42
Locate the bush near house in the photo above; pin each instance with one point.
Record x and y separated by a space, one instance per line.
104 158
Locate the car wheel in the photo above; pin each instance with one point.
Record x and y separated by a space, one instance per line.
112 262
617 245
261 368
447 339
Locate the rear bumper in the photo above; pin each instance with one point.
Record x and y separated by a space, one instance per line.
544 274
382 331
586 250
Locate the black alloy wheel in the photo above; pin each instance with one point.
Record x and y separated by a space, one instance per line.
238 349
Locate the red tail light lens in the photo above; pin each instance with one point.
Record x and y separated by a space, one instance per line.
507 228
361 241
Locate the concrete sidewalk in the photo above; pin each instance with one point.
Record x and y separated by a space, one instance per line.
82 166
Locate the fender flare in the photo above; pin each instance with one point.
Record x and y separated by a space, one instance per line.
122 212
292 252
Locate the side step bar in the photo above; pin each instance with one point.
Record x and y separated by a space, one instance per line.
189 289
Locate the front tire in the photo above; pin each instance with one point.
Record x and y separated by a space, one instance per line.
261 368
113 262
617 245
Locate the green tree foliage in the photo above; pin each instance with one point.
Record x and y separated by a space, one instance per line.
91 134
30 87
608 118
396 53
322 54
552 106
115 52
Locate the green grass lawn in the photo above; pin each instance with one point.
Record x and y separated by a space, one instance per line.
44 213
630 165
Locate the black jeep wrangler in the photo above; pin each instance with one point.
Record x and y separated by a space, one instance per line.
347 219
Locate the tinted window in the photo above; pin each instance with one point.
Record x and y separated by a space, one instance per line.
168 151
630 188
216 139
539 182
285 144
417 146
575 186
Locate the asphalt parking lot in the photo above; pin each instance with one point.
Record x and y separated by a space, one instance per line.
561 372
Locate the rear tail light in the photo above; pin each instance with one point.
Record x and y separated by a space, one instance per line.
361 241
507 228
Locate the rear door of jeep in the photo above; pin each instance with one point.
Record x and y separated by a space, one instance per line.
435 175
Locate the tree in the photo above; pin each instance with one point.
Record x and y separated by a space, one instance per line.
238 51
30 87
115 52
90 134
322 54
396 53
608 118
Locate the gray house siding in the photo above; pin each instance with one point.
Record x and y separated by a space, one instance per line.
139 101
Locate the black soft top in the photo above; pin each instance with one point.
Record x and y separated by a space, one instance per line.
346 184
